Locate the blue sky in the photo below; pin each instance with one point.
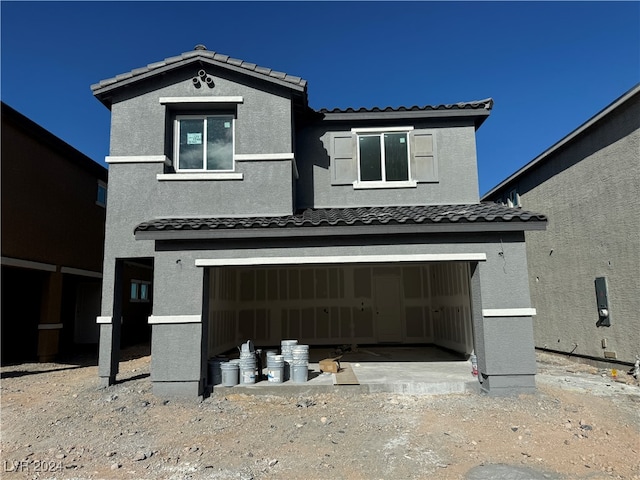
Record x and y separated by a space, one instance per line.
549 66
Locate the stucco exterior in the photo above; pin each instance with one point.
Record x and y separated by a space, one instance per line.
587 185
50 208
288 159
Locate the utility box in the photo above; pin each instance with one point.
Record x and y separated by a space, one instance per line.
602 299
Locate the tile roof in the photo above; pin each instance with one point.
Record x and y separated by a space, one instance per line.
201 51
396 215
486 104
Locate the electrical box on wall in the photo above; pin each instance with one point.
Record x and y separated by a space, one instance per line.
602 299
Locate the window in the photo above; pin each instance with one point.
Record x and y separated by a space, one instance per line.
140 291
383 157
204 143
102 194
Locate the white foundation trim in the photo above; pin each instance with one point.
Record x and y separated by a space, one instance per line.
49 326
138 159
79 271
16 262
509 312
199 176
252 157
103 319
159 319
336 259
231 99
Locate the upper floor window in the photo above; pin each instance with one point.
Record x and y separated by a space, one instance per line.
101 198
383 157
204 143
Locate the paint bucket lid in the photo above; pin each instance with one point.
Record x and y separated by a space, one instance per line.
228 366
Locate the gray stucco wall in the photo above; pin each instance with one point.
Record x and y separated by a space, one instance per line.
589 191
139 121
455 154
505 345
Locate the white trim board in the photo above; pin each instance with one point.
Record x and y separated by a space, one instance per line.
338 259
508 312
381 129
16 262
254 157
103 319
176 177
229 99
163 319
138 159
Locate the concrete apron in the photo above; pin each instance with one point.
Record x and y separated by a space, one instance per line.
397 369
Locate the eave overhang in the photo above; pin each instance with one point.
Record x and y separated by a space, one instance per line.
353 221
306 232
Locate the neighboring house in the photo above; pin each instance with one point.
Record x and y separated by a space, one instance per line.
584 270
261 218
53 216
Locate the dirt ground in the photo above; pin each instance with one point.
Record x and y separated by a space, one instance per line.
57 424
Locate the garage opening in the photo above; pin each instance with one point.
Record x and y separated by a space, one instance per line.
388 305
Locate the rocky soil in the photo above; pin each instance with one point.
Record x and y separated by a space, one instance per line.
57 424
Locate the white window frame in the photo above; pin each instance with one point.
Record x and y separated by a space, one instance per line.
384 183
176 142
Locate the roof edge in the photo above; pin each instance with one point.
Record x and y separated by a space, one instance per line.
617 103
44 136
199 54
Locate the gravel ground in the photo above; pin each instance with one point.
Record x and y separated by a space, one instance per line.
57 424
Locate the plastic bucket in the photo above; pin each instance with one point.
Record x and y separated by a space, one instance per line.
215 374
275 369
299 373
248 370
229 372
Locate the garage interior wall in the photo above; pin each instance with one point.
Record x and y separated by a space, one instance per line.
334 305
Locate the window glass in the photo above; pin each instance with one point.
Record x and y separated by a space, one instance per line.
191 143
219 143
144 295
395 157
370 158
134 291
102 194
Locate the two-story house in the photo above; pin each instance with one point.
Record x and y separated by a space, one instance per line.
262 218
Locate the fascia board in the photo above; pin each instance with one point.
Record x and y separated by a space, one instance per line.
339 231
452 113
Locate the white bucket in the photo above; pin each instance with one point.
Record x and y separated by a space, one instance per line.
275 368
299 373
229 372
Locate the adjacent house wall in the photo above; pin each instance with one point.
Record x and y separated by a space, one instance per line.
52 240
589 190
